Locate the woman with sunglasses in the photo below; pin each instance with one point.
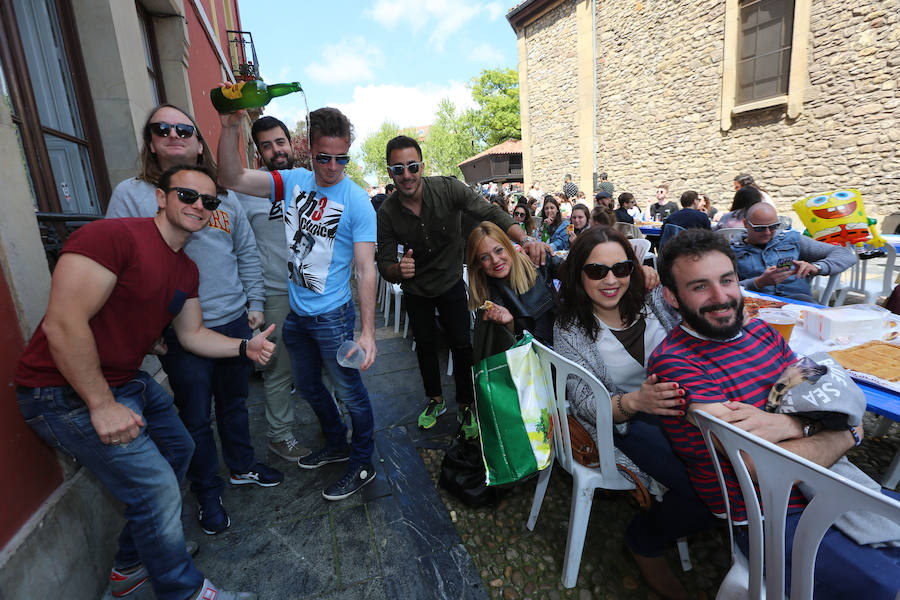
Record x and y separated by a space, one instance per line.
522 295
609 324
553 226
522 216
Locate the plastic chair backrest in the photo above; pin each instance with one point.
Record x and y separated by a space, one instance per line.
776 471
669 230
641 247
629 230
562 368
731 233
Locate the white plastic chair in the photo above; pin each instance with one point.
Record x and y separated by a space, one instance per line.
584 479
629 230
731 233
776 471
641 247
858 282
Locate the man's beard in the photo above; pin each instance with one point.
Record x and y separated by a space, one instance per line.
697 322
273 164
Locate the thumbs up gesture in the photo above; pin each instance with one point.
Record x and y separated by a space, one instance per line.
407 265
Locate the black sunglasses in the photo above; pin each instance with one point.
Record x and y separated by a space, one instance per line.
324 159
761 228
162 129
519 213
597 271
189 196
398 169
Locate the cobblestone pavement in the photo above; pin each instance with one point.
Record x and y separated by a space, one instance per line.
515 563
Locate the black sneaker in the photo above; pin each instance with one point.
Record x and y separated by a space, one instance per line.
350 483
323 456
212 516
260 474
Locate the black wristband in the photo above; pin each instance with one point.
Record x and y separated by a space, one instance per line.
242 349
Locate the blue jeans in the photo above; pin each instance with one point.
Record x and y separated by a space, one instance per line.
312 342
143 474
196 380
681 512
844 569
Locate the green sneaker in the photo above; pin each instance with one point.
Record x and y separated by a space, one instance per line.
467 423
429 416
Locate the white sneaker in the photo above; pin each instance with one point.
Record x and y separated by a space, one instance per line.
210 592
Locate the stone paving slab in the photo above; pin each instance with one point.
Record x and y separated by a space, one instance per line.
392 540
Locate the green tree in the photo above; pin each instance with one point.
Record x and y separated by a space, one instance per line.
450 141
497 119
354 171
372 152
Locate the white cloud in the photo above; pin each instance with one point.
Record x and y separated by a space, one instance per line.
444 17
351 59
494 10
372 105
485 53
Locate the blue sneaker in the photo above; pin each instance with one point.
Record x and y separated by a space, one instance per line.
260 474
350 483
212 516
323 456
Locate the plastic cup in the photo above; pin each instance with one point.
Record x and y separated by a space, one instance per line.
350 355
781 320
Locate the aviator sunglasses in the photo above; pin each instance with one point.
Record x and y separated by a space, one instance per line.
189 196
398 169
761 228
597 271
162 129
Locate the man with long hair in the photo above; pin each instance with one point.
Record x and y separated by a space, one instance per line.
225 252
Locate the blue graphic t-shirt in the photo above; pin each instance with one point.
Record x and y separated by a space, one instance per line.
321 225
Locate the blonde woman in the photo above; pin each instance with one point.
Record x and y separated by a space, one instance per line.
521 296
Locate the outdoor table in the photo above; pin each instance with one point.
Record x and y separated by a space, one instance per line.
893 240
652 230
879 400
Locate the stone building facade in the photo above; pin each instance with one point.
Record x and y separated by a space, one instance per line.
662 107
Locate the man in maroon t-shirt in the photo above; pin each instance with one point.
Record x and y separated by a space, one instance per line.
117 284
727 368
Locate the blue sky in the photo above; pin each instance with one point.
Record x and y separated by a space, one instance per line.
377 60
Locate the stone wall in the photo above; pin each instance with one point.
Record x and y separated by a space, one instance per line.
552 97
659 77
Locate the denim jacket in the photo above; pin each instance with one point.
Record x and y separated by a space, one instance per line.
753 260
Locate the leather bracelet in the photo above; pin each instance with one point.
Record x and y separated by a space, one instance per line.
242 349
855 436
627 414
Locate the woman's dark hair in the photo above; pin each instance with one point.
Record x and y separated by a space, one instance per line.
625 197
576 307
587 213
602 215
745 197
557 221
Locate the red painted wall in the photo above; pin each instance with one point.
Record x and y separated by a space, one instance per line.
204 66
204 73
28 466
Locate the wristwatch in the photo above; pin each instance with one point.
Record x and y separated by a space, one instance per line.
242 349
809 428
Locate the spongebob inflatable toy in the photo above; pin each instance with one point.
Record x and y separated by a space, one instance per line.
838 218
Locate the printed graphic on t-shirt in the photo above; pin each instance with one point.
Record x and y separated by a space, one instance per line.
275 212
310 223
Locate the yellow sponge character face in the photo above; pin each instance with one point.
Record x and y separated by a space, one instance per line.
835 218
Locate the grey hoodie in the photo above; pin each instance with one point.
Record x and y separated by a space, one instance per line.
224 251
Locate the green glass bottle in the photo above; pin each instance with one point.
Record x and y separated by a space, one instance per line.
249 94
